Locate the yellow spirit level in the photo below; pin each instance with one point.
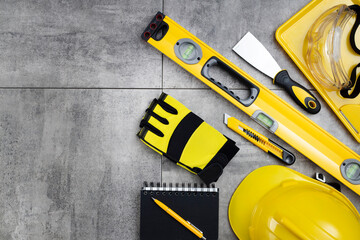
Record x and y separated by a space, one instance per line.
262 105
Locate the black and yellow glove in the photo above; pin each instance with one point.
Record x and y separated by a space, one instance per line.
174 131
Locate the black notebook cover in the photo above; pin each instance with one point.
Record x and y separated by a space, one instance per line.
198 205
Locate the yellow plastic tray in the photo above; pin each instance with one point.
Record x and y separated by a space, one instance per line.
291 36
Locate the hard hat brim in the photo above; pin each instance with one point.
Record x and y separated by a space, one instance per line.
251 190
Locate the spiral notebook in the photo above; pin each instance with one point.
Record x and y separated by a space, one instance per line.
196 204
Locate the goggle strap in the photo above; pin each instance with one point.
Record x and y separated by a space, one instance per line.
355 8
355 85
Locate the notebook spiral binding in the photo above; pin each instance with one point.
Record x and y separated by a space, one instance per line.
183 188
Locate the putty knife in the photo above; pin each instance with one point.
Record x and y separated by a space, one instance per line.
252 51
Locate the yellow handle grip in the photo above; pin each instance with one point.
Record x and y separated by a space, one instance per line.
300 94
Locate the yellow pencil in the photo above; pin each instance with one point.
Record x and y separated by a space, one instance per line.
186 224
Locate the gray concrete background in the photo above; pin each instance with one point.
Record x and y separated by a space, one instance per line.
75 81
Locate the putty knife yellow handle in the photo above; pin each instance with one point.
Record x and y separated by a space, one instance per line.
300 94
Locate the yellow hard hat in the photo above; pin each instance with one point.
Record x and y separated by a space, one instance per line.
275 202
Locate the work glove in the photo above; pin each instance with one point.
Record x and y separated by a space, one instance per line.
175 132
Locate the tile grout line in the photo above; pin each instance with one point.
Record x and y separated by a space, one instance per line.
162 90
125 88
162 71
162 55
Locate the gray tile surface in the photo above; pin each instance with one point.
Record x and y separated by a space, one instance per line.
76 79
77 44
71 164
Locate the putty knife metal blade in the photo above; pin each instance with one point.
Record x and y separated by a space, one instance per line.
252 51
